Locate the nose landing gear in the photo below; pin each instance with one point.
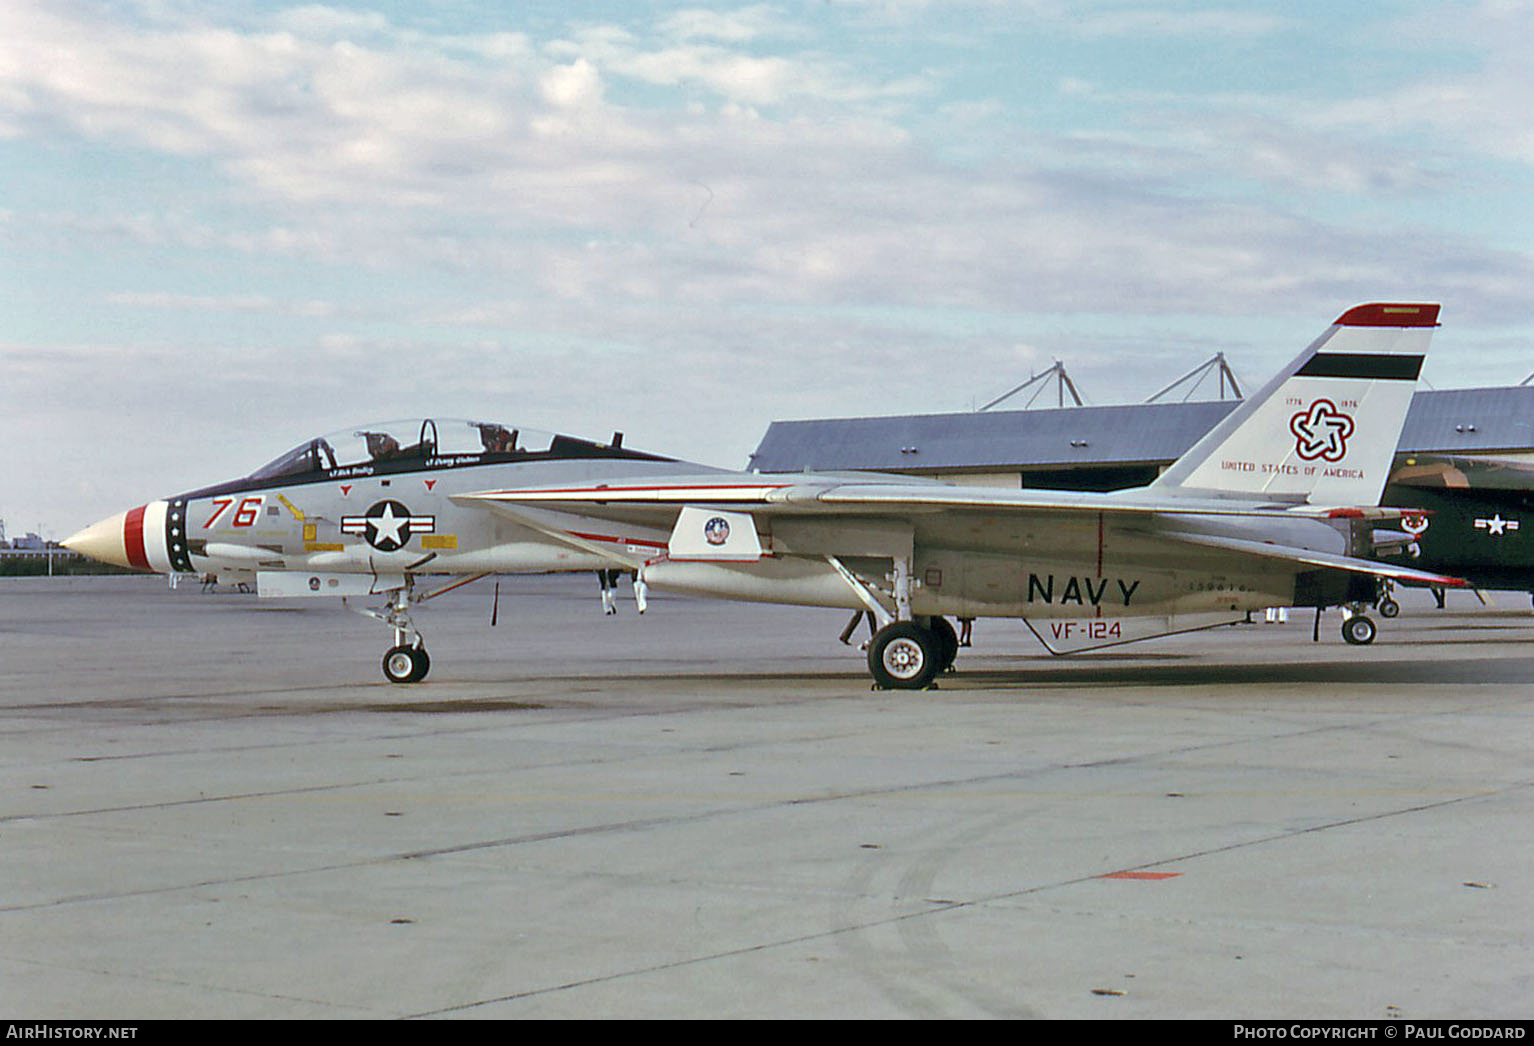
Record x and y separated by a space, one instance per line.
406 664
406 661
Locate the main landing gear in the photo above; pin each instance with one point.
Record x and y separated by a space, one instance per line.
908 655
1358 630
907 651
1386 603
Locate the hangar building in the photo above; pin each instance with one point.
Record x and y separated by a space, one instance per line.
1106 448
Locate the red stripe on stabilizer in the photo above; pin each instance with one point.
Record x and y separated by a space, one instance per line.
133 538
1390 315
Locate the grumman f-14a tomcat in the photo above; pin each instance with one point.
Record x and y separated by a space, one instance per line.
1274 507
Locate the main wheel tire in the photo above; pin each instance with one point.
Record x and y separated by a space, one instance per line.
1358 630
946 642
1389 607
903 656
406 664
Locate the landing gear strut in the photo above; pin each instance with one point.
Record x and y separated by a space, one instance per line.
406 661
1386 604
906 652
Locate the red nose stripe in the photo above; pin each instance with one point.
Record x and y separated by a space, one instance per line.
133 538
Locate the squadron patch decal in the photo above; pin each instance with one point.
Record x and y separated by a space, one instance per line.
716 531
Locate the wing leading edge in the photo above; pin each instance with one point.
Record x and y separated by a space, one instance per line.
835 497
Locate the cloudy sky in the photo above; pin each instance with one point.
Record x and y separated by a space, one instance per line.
228 226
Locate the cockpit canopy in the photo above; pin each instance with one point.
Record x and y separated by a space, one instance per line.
431 442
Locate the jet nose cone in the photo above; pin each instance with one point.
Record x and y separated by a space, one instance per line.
104 541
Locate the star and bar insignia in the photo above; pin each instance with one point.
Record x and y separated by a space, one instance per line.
388 525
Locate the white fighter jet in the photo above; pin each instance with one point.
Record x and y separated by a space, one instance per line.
1274 507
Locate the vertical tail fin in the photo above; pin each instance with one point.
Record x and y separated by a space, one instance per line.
1325 429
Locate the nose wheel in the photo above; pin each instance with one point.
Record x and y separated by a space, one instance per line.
406 661
406 664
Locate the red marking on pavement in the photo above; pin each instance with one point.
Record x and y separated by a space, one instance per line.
1150 876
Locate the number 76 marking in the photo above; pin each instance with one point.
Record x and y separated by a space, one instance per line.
245 515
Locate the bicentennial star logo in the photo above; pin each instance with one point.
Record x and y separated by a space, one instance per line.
1321 432
388 525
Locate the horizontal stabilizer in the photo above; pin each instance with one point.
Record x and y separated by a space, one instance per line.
1311 558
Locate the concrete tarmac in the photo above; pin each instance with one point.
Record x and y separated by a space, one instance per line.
214 806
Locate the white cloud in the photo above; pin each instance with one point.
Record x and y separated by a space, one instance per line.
577 85
251 303
1168 22
721 215
737 27
429 153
